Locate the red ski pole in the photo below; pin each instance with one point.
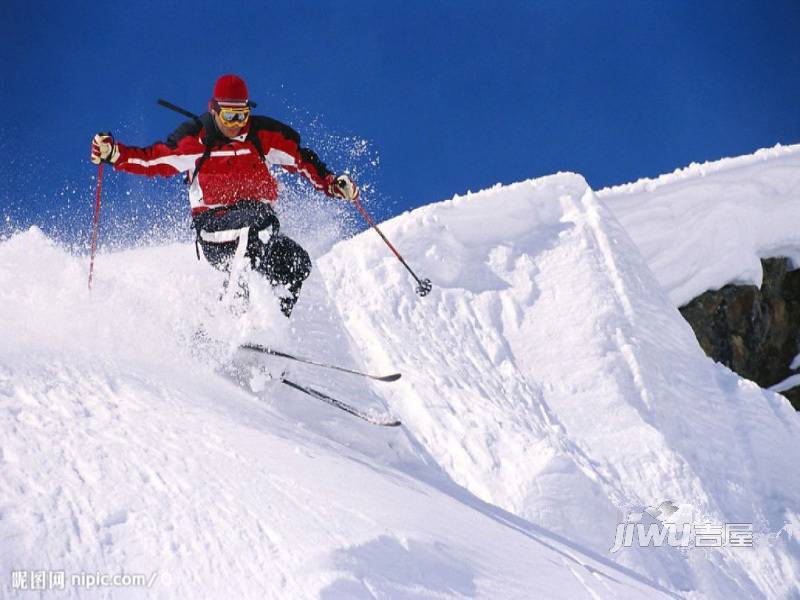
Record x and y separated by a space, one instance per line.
424 285
95 221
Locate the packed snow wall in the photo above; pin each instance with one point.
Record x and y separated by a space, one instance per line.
550 374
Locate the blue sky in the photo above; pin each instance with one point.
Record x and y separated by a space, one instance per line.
448 96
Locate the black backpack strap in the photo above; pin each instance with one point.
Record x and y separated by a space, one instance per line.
211 139
200 161
252 137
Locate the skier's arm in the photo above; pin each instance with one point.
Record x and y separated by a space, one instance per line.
158 159
312 168
286 151
178 154
308 163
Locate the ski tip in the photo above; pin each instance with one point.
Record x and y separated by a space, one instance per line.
389 378
391 423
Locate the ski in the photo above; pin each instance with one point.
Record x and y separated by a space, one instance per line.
340 405
308 361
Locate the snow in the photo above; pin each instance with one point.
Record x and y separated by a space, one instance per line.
549 387
707 225
786 384
119 453
552 376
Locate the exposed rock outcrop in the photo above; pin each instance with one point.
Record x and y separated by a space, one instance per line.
755 332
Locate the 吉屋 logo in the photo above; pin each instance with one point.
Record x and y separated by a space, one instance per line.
661 529
663 511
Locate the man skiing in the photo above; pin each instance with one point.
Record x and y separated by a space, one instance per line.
226 155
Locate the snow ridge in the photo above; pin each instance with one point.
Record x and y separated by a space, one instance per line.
707 225
548 343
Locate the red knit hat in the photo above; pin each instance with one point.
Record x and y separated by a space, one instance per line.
231 89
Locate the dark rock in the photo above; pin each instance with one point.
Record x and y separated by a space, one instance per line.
755 332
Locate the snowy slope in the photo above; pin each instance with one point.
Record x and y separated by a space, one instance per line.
549 386
122 452
709 224
550 375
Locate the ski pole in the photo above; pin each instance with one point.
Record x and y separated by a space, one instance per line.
95 221
177 109
424 285
186 113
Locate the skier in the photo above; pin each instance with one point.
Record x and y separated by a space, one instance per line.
226 155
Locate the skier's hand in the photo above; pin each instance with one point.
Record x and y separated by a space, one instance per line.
345 188
104 149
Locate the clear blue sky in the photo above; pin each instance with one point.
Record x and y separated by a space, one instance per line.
449 96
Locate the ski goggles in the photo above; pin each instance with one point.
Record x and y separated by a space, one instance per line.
234 116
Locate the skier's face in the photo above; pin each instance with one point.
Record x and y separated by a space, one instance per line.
228 128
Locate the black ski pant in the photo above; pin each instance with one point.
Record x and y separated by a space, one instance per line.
280 259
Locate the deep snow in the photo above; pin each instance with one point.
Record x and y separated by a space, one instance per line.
550 387
710 224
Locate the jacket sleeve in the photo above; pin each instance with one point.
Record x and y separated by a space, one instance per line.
178 154
284 149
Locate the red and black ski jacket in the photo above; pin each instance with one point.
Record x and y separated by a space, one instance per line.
223 170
